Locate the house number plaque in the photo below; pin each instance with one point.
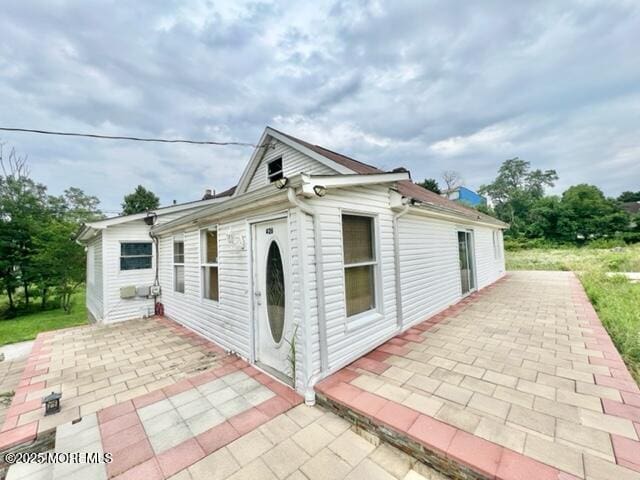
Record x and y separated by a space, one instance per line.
269 231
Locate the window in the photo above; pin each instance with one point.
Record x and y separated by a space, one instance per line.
359 263
135 255
274 170
178 264
497 251
209 264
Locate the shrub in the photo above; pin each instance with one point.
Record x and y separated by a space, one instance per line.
606 243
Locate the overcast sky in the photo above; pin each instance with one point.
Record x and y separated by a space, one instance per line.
426 85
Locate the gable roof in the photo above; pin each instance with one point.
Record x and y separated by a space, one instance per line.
405 187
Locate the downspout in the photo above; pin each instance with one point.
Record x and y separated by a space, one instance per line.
309 392
396 258
156 280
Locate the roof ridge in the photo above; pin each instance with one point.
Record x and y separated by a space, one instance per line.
313 146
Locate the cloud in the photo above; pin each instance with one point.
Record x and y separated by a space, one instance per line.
427 85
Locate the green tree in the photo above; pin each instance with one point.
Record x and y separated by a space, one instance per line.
62 259
36 248
544 215
141 200
515 190
431 184
629 197
23 208
587 214
78 207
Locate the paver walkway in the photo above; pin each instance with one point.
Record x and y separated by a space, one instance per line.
98 366
518 379
160 432
10 373
305 443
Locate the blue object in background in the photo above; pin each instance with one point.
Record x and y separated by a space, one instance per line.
464 195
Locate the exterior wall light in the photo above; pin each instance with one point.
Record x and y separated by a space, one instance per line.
281 183
320 190
150 219
52 403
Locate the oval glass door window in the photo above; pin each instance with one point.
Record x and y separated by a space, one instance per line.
275 292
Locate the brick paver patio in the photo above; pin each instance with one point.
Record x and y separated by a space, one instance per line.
518 381
10 373
98 366
304 443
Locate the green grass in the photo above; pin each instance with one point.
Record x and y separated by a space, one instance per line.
625 259
615 298
617 301
27 327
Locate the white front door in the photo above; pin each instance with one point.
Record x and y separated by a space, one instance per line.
272 296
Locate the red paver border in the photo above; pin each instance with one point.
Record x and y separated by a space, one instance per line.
123 434
598 339
487 459
37 364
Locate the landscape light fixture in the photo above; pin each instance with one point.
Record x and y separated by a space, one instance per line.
320 190
281 183
52 403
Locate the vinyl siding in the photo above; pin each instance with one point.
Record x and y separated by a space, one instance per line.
429 267
95 287
226 322
117 309
347 339
293 162
489 268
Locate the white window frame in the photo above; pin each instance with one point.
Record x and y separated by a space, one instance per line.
359 320
497 251
178 239
122 242
269 176
204 265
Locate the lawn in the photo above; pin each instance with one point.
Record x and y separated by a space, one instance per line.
615 298
26 327
624 259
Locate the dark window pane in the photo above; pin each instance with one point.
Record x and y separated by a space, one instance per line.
135 263
275 292
357 239
178 278
211 247
210 279
132 249
359 289
178 252
274 166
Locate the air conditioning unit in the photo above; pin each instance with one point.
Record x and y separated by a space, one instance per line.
128 291
142 291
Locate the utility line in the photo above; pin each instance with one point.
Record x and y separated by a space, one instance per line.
118 137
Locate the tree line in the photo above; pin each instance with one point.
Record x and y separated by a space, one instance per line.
41 266
581 214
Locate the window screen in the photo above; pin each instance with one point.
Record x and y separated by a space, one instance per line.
209 264
359 263
178 265
135 255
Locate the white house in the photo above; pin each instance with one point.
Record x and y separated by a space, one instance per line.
314 252
121 255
